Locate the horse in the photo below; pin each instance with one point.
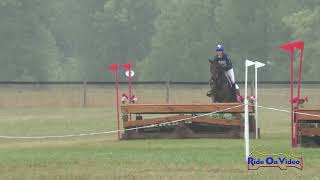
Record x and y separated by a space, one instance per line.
221 88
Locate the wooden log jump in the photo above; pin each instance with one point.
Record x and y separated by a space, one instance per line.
189 118
308 120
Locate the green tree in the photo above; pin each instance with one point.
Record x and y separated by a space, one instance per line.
72 25
304 25
123 29
254 30
185 35
27 47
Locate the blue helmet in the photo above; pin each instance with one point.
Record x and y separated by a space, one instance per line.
219 47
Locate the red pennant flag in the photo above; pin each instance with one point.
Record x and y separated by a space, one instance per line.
113 67
127 66
291 45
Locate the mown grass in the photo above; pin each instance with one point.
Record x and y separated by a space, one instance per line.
104 157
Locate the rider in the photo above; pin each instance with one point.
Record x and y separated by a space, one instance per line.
226 63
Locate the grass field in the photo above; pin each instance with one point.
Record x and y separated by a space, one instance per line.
103 157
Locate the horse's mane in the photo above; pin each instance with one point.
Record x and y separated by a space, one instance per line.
217 73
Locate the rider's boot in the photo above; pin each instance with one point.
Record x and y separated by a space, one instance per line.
234 89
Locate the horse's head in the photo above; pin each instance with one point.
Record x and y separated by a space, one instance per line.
217 73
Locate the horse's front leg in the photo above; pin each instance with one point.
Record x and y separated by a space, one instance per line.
213 99
212 86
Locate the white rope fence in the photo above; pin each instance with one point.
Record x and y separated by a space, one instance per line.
144 127
287 111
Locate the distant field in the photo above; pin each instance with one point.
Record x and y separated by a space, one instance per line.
104 95
103 157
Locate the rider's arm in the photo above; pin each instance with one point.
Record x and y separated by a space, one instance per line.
229 63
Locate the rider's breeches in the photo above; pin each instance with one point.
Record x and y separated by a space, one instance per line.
230 75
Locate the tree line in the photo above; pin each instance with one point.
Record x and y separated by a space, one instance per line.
70 40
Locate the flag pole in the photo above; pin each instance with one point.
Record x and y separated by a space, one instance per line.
115 68
130 82
117 99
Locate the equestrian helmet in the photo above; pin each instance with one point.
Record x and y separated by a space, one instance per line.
219 47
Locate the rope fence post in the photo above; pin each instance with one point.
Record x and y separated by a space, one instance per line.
168 92
84 94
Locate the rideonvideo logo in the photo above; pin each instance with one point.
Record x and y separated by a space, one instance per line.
283 161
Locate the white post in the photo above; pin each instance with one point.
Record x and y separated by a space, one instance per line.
246 113
257 65
256 102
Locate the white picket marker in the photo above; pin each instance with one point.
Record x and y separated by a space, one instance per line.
257 65
246 113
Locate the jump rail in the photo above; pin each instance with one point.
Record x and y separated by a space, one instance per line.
185 115
183 108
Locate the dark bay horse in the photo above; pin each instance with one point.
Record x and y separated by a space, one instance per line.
221 90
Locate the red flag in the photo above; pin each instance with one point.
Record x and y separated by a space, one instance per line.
291 45
113 67
127 66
